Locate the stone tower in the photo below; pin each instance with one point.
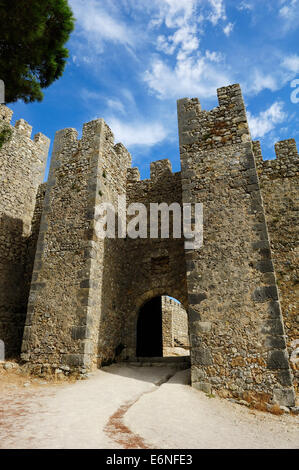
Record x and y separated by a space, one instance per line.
22 168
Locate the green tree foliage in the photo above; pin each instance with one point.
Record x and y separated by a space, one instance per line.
32 38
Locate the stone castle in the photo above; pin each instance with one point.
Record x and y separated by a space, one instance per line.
72 301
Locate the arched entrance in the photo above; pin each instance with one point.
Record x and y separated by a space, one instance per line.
162 328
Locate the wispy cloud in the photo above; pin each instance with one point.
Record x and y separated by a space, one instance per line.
245 6
217 11
97 25
190 76
137 133
289 14
266 121
259 80
116 105
291 63
228 29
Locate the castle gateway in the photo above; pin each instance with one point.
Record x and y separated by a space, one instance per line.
70 299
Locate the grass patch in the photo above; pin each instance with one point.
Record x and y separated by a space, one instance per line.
5 135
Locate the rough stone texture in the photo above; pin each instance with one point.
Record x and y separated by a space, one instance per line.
174 326
152 266
279 180
231 282
22 170
69 321
86 292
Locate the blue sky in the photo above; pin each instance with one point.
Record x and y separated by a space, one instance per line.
130 60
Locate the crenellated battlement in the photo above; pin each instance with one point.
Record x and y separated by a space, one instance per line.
65 141
285 165
133 175
22 129
222 126
160 173
96 137
161 169
286 149
6 114
22 169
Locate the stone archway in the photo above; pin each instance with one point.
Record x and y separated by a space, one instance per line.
161 326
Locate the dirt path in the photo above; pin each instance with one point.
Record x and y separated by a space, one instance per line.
127 407
179 417
79 415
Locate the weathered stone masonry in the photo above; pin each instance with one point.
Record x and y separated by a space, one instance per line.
174 326
86 292
22 168
236 328
280 190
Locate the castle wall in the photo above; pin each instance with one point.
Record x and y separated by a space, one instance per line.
86 291
174 326
280 189
22 170
73 286
237 336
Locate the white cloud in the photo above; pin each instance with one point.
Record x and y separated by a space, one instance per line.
218 11
289 13
291 63
137 133
192 73
174 13
184 38
259 80
214 56
116 105
190 76
266 120
245 6
181 20
88 95
128 95
288 9
97 25
228 29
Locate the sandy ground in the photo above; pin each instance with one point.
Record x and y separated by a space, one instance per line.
134 407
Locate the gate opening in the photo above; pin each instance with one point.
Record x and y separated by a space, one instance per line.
162 329
149 329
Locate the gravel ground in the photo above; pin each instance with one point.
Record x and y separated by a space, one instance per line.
132 407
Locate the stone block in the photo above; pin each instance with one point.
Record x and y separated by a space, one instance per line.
203 387
278 359
284 396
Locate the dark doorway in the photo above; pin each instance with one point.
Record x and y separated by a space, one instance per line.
149 329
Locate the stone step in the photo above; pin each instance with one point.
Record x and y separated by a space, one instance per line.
179 362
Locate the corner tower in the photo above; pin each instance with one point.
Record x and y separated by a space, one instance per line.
237 336
22 168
